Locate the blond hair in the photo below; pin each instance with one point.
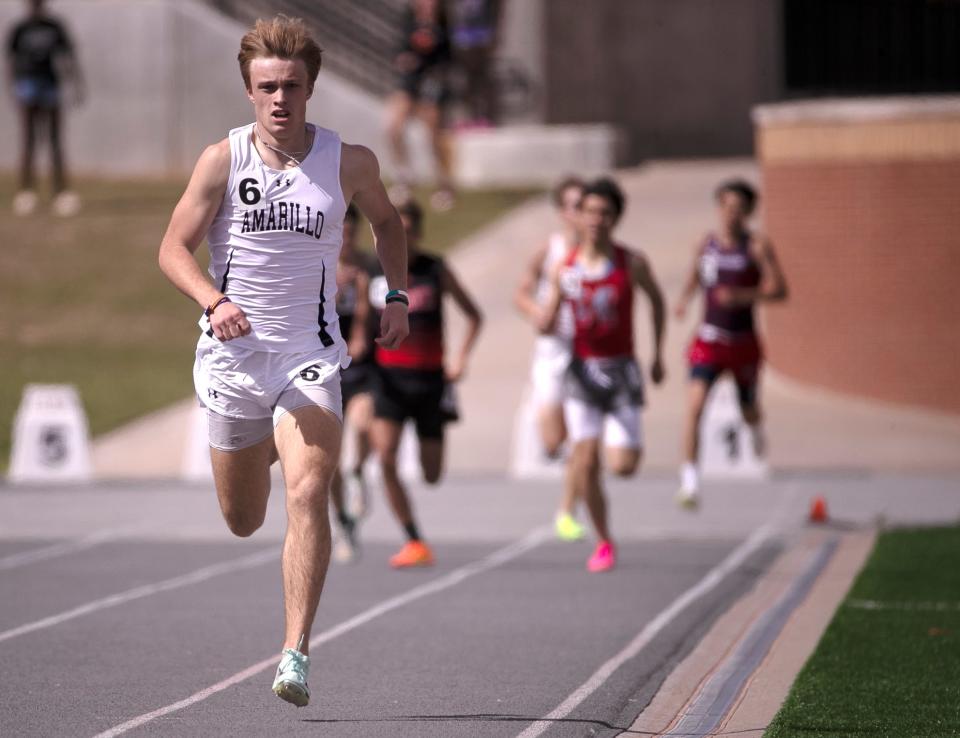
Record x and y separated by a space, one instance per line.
282 37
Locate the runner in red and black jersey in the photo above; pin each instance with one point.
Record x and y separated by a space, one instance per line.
735 268
414 381
604 383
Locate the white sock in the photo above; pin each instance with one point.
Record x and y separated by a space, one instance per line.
689 477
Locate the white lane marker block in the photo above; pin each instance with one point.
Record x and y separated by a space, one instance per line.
51 437
726 443
196 455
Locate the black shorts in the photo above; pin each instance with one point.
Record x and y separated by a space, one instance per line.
423 396
428 85
355 380
746 386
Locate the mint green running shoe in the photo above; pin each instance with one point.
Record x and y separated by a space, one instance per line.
567 528
290 683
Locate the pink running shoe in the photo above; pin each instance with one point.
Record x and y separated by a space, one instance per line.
604 557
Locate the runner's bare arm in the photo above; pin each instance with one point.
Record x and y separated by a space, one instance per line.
357 345
644 279
524 297
547 319
451 285
773 285
188 227
360 181
690 284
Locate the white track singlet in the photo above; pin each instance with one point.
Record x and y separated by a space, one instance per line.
274 245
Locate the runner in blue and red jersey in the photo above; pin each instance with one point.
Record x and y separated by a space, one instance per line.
604 383
735 268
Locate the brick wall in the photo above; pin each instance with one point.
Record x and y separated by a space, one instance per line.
869 235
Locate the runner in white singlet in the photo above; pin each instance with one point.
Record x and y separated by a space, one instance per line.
551 355
270 199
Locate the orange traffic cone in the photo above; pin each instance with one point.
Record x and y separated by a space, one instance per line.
818 510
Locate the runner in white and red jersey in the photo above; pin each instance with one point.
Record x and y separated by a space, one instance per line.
551 353
604 382
735 268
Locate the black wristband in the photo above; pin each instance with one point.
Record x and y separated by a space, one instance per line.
397 298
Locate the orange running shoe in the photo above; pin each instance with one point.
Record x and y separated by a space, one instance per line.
413 553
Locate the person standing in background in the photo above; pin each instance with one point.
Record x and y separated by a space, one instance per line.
475 26
40 57
422 65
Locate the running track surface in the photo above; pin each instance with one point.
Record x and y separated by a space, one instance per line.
138 626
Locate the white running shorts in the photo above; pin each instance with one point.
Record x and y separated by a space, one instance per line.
247 392
621 427
551 357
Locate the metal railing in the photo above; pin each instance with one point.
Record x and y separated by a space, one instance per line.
359 37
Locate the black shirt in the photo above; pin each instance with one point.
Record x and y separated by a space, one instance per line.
33 45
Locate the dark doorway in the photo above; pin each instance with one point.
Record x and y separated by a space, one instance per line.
851 47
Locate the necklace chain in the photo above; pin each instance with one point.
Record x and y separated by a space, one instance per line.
293 156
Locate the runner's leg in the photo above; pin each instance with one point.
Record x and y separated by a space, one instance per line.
56 151
30 121
360 418
308 443
748 396
585 470
585 425
242 481
623 438
385 435
431 459
553 431
431 114
698 388
399 109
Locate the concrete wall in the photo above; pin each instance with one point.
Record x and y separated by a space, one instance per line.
860 199
163 82
679 78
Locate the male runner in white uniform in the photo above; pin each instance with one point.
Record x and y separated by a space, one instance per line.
552 352
270 199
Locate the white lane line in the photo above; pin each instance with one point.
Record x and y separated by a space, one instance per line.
194 577
714 577
60 549
501 556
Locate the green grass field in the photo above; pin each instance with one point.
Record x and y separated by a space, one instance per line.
83 302
889 663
